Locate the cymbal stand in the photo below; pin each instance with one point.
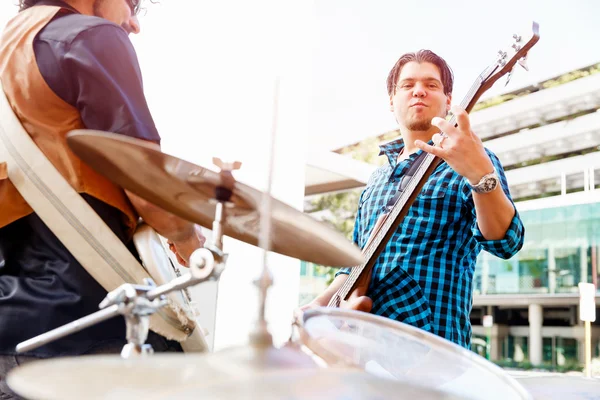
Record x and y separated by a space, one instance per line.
138 302
260 335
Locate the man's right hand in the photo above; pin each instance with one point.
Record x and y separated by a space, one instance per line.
358 303
355 302
183 249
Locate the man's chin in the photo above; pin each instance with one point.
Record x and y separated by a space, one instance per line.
419 126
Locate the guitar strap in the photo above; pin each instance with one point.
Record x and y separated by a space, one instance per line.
73 221
406 178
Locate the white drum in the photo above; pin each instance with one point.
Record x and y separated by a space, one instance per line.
394 350
233 374
157 261
561 387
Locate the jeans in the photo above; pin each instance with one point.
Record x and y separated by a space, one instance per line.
8 362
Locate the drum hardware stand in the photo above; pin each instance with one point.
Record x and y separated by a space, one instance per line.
137 302
260 335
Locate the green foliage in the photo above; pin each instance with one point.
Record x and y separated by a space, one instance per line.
527 365
340 214
571 76
550 83
494 101
339 209
368 149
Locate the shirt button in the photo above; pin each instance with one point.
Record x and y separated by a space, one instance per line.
393 180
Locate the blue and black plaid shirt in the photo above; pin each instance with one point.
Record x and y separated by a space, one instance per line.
424 275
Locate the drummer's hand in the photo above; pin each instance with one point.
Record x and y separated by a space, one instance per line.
184 248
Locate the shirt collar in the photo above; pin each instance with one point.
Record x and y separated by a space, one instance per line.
393 148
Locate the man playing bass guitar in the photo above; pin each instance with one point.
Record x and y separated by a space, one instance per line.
423 276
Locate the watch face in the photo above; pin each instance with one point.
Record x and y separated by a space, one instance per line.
489 184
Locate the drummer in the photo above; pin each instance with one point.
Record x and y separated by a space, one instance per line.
424 275
85 75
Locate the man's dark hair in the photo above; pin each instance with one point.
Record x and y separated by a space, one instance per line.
136 4
25 4
420 57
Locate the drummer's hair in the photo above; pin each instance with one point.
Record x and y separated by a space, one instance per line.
420 57
25 4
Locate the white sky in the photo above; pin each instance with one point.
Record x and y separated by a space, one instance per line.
359 41
200 45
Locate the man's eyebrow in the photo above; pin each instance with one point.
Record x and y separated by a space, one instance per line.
425 79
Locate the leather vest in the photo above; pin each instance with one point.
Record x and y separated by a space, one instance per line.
47 118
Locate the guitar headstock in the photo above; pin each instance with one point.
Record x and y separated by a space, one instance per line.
506 59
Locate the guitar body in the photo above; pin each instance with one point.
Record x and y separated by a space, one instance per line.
163 268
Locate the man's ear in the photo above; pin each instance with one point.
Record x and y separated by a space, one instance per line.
448 103
391 104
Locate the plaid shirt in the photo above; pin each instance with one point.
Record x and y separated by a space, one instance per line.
424 275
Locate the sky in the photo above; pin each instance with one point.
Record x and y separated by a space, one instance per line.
204 58
359 41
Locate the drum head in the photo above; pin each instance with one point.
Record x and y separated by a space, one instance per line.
561 387
197 376
399 351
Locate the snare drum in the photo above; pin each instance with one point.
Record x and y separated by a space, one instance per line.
391 349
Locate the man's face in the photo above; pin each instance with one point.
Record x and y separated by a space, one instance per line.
419 96
118 11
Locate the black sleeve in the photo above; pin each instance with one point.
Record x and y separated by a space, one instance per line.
98 73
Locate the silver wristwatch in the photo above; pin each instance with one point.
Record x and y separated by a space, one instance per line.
487 183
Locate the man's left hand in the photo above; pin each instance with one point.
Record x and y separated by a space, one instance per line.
460 147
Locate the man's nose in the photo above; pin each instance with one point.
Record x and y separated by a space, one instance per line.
132 25
419 90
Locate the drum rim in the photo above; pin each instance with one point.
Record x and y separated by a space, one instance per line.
441 344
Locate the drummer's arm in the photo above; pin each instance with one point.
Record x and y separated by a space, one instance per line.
185 236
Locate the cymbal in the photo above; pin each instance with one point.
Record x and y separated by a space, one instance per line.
188 190
193 376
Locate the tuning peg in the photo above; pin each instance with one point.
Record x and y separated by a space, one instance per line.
523 63
508 77
226 166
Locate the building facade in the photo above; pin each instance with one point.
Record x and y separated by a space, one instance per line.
547 137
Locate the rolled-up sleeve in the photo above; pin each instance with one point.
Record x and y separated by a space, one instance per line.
509 245
514 237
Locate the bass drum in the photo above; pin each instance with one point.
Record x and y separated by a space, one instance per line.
394 350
